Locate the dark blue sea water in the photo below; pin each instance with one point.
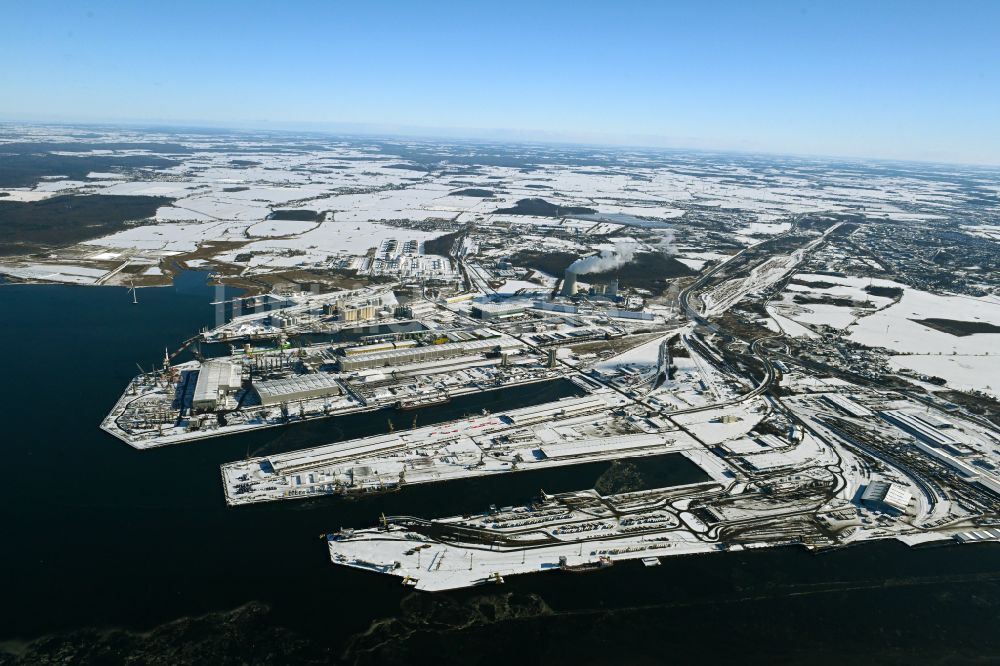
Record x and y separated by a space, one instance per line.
96 534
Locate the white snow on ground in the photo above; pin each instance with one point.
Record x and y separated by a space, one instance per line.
279 228
18 194
837 316
695 264
148 188
645 354
512 286
821 313
105 256
56 186
756 228
177 237
357 188
174 214
327 239
713 426
859 283
983 231
981 373
725 295
965 362
55 273
788 326
105 175
219 209
702 256
893 328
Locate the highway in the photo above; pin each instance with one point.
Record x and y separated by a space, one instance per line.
756 347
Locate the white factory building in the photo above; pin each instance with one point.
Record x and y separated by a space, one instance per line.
844 404
886 494
216 380
561 409
298 387
497 310
923 427
382 359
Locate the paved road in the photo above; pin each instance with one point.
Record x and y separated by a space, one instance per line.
756 347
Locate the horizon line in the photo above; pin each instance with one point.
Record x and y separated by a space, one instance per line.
442 133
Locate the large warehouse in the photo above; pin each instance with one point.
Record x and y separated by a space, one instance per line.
887 494
298 387
920 427
497 310
216 380
421 354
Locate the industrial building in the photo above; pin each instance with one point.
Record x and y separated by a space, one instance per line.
297 387
363 312
609 290
845 405
283 320
886 494
426 353
216 380
571 337
360 309
618 313
596 445
555 307
497 310
920 427
744 446
767 461
379 347
550 411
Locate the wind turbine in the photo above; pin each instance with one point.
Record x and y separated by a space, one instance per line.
131 288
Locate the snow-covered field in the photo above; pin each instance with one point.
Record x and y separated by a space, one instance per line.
365 194
829 314
56 273
979 372
23 194
966 361
894 327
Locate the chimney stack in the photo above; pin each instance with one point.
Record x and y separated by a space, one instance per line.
569 284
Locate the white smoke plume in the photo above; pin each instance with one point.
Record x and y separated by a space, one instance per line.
607 260
666 244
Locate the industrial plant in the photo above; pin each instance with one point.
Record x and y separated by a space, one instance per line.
788 458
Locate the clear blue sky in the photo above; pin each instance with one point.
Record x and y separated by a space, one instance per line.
911 80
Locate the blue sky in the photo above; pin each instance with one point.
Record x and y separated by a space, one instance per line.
909 80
